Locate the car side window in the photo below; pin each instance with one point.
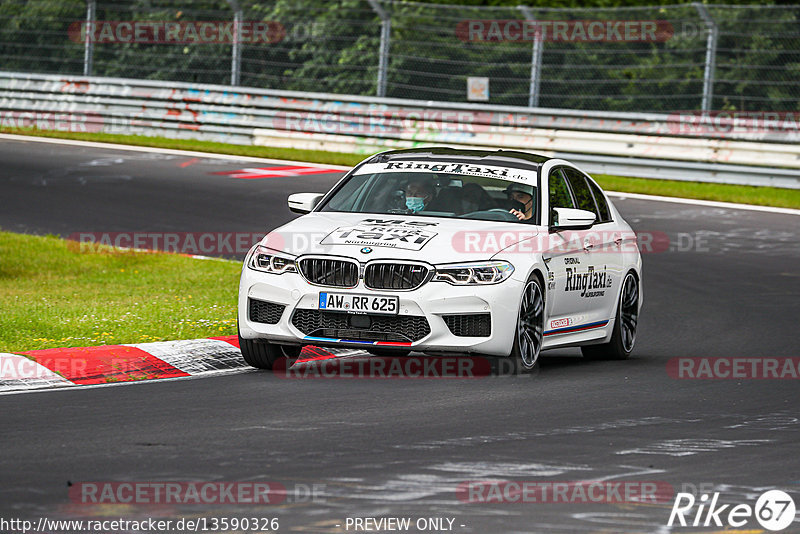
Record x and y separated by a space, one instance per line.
560 196
583 195
602 205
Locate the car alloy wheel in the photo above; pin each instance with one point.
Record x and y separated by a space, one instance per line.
629 311
530 324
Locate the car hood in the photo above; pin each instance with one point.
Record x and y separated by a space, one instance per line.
367 237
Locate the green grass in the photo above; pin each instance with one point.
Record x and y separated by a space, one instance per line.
53 295
764 196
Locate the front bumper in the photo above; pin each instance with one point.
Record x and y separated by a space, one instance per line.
433 301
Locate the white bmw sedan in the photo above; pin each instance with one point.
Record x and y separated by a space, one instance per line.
444 251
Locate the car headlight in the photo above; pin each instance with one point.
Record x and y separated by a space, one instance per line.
476 273
269 261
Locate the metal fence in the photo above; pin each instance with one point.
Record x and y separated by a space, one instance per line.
702 57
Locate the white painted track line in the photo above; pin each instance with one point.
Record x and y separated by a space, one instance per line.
212 155
709 203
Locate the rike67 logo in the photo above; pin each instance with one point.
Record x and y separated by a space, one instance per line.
774 510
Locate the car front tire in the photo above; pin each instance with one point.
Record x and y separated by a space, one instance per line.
262 355
529 329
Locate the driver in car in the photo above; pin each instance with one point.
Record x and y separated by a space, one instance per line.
522 196
419 193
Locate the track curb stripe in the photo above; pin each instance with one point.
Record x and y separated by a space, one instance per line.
196 356
120 364
104 364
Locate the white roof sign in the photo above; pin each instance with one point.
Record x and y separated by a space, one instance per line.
449 167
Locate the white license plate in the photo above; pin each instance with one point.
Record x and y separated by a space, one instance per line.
387 305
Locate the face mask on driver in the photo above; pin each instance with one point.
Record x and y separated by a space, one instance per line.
516 205
415 203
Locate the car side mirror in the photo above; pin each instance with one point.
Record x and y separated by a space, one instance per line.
572 219
304 202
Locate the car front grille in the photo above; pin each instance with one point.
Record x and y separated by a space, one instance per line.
475 325
329 272
386 275
265 312
381 327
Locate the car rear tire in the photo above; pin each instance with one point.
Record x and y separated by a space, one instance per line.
262 355
623 336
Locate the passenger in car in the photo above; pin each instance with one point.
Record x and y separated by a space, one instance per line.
419 193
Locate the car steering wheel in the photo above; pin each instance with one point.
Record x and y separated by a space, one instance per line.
507 216
511 216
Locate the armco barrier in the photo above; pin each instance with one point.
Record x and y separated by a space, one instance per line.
646 145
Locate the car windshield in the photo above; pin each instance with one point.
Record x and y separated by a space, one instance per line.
457 190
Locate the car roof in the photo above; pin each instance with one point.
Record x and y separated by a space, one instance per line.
513 158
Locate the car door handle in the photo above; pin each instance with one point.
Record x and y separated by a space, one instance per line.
588 245
618 241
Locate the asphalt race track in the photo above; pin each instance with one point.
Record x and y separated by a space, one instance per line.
728 286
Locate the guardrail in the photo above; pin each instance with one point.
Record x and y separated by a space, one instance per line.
681 146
